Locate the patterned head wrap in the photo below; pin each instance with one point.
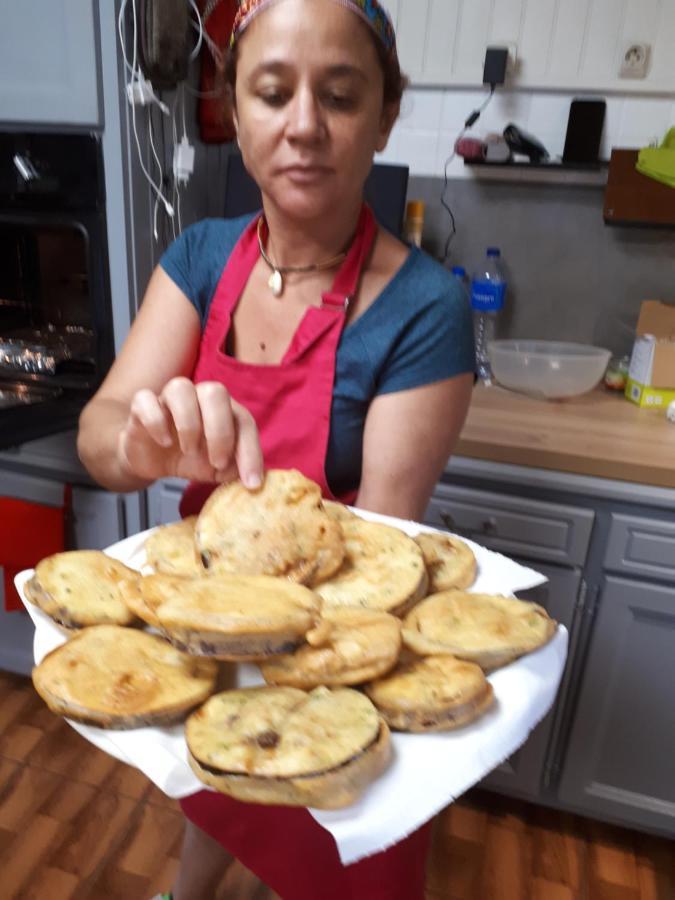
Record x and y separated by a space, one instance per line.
369 11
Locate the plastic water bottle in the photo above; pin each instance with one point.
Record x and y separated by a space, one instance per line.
488 292
459 273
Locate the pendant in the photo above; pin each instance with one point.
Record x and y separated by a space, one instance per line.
276 283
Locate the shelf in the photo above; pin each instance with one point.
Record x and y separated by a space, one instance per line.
555 172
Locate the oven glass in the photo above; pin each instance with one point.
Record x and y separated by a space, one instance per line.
46 326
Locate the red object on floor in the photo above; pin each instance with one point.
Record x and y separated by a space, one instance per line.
28 533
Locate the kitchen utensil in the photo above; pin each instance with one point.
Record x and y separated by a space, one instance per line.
547 369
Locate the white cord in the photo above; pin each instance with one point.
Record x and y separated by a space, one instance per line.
182 105
157 190
200 27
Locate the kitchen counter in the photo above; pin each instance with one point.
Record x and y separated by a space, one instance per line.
599 434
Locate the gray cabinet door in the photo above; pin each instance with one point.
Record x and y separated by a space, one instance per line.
516 526
48 62
98 519
523 773
163 499
620 760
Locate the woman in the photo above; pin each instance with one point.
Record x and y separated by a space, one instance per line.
306 337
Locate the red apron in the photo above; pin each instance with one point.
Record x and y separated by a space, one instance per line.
291 404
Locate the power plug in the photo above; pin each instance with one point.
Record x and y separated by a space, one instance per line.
183 160
141 93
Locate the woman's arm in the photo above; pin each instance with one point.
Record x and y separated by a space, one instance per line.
408 438
148 420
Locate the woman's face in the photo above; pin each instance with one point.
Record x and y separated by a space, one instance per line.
309 107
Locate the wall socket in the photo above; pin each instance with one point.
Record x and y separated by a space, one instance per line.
634 60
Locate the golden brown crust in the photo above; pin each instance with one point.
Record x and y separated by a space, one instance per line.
449 561
226 616
282 745
81 588
280 529
338 511
490 630
171 549
438 693
331 789
383 569
119 678
348 646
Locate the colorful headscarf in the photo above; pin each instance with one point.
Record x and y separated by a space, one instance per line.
369 11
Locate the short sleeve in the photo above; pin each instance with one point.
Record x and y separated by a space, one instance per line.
195 260
436 344
181 263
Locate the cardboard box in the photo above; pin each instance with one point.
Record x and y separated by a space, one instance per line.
651 376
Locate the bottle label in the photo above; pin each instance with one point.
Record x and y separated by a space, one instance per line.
488 296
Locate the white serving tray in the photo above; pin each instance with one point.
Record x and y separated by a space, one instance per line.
428 771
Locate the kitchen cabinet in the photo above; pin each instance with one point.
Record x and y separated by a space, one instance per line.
524 773
619 760
529 531
49 63
163 500
606 749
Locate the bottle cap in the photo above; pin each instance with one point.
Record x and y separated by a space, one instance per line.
494 251
459 271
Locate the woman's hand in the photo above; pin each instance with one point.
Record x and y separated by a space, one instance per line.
190 431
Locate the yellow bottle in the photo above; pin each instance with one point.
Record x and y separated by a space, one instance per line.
414 222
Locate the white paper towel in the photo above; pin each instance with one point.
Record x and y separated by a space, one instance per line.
428 771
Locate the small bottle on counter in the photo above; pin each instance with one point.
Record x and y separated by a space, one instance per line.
488 293
414 222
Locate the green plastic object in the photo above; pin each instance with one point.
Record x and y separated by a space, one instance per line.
659 162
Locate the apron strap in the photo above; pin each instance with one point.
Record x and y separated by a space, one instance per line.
347 279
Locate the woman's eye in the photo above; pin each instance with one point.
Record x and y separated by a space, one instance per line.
273 98
339 101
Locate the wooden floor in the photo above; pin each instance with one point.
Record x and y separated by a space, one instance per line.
76 825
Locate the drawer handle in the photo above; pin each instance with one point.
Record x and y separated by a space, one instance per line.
451 525
489 526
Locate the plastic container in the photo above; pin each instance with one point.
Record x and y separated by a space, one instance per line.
548 369
488 294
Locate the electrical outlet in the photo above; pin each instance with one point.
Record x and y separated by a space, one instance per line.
634 60
512 62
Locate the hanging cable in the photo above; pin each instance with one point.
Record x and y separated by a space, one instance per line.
471 120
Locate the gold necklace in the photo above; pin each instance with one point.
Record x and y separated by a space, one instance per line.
276 280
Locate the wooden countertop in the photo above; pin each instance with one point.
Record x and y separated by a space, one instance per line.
600 434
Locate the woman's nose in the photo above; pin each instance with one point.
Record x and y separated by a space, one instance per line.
305 120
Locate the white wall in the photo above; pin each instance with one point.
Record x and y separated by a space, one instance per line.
431 119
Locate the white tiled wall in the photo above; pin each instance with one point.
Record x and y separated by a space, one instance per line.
431 119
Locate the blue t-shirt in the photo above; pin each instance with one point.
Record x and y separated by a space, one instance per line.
417 331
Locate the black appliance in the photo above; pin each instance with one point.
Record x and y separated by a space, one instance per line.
584 131
56 336
385 191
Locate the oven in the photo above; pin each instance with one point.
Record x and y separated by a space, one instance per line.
56 335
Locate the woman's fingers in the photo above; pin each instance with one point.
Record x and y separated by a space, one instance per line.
218 437
248 452
218 423
179 397
147 414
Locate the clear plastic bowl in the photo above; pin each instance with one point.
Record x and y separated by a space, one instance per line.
549 369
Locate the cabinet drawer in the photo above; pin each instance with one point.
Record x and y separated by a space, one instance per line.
641 546
512 525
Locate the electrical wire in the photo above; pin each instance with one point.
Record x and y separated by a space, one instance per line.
471 120
157 190
200 27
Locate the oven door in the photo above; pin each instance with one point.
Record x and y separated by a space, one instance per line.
56 340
